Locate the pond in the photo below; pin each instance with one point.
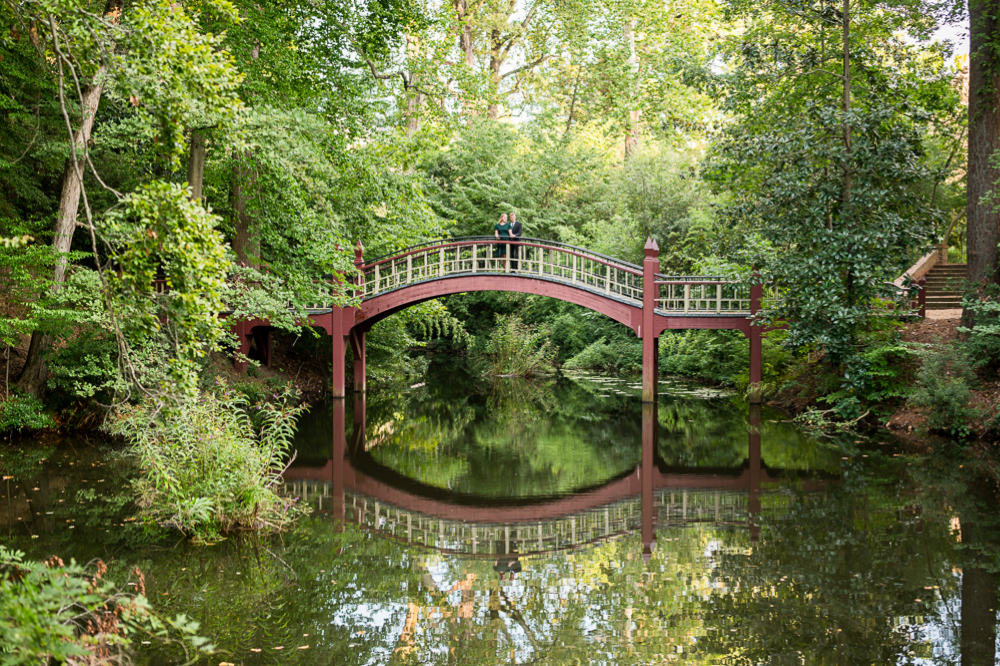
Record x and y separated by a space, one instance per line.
556 522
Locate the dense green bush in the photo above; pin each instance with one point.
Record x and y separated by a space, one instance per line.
209 465
52 612
24 412
618 356
722 356
944 389
515 349
983 339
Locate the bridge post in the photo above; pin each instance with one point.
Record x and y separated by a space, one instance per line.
358 347
358 337
339 351
756 293
649 442
339 446
650 353
242 346
753 502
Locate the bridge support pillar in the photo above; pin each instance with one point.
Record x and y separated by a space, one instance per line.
339 351
756 362
753 507
262 338
650 423
339 452
358 347
650 343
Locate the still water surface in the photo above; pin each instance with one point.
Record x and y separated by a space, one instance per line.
558 523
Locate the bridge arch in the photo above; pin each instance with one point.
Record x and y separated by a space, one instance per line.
384 305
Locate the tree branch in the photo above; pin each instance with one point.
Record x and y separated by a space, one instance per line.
530 65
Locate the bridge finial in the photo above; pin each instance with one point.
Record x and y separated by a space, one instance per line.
359 253
652 249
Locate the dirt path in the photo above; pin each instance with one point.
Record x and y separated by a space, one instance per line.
939 326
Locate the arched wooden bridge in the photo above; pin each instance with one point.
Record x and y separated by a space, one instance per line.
636 296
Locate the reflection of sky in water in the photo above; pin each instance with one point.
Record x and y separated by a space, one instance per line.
855 555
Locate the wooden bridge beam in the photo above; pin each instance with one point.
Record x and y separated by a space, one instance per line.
650 422
339 351
358 347
647 331
756 360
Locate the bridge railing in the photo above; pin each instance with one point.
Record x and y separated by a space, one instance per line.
673 508
686 294
485 255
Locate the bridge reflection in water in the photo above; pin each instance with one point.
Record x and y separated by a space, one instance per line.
352 487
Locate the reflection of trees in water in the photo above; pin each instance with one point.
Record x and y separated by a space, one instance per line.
601 605
967 495
843 577
506 438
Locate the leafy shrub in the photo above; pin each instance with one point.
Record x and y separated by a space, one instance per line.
515 349
876 379
619 356
721 356
944 384
52 612
983 339
24 412
210 466
263 390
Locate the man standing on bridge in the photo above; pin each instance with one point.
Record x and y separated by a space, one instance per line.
515 231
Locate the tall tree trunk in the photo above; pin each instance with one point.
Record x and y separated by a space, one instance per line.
465 38
632 135
496 60
846 183
196 164
415 100
572 102
982 221
246 240
979 606
35 373
413 105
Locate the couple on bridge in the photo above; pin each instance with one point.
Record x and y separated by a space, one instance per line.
505 230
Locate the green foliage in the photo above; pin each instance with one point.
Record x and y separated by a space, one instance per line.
67 613
944 388
879 377
516 349
828 197
617 356
211 465
160 230
983 339
24 412
571 189
722 357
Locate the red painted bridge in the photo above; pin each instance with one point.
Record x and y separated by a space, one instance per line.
636 296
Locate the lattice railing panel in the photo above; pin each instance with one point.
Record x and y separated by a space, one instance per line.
536 258
694 295
673 508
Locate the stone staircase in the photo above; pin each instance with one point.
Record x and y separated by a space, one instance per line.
944 286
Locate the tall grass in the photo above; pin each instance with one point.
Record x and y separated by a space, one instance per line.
516 349
211 464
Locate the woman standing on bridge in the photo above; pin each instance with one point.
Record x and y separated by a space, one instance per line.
501 230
